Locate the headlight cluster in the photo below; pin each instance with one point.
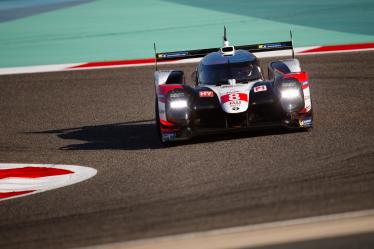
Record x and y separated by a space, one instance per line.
291 96
177 106
290 93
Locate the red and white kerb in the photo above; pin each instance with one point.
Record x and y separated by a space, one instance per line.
18 180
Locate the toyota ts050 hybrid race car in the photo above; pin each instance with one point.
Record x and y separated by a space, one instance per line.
231 93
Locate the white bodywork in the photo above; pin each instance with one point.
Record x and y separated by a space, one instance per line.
160 78
233 98
292 64
307 99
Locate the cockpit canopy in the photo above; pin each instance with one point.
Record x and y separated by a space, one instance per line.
217 69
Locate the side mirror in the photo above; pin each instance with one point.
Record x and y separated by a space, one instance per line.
194 77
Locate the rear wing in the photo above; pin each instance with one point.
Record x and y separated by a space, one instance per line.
255 48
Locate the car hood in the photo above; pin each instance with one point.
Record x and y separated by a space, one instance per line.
233 98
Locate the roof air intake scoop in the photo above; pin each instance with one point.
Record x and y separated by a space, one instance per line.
226 49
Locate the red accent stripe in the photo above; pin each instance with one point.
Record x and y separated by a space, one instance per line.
116 63
340 47
303 110
166 123
301 77
305 86
169 129
15 193
226 98
164 89
32 172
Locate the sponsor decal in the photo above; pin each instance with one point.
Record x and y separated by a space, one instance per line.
307 100
176 95
234 97
273 45
209 94
166 136
235 102
17 180
307 122
261 88
235 105
289 84
270 45
171 55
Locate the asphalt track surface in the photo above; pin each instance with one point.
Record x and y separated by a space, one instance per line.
104 119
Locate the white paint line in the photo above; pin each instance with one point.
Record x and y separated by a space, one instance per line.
70 67
320 227
36 69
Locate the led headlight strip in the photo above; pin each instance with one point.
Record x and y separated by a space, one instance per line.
290 93
178 104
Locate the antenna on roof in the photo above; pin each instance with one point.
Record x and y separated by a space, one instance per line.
293 52
225 41
154 48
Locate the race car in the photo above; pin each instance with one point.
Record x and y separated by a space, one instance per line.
230 92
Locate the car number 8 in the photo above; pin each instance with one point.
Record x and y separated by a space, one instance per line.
234 96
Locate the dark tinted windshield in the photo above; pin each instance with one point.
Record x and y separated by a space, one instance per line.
220 73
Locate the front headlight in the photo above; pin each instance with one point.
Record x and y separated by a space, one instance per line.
178 104
291 96
177 107
290 93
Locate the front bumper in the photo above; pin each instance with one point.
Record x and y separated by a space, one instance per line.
186 133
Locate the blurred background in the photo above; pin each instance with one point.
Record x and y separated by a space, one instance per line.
39 32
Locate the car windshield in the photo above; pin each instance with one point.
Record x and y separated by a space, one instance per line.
219 74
